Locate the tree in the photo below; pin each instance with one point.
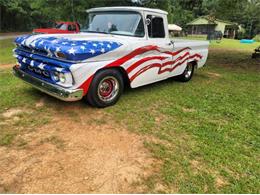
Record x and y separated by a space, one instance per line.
22 15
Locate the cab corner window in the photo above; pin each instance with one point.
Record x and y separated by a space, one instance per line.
156 27
139 32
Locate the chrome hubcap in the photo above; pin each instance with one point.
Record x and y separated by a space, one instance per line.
188 70
108 88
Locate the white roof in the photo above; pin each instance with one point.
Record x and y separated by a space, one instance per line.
127 8
174 27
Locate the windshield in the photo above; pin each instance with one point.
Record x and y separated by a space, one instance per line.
120 23
61 26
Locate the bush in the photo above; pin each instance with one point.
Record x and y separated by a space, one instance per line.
240 35
257 38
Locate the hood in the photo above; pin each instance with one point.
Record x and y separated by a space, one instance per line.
49 30
73 47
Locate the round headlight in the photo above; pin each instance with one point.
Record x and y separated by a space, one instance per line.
62 77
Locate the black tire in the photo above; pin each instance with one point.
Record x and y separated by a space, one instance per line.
187 74
105 89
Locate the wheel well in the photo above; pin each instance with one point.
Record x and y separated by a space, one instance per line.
122 71
194 63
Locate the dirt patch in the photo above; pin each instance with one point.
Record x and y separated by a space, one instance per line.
220 182
214 74
40 103
12 112
184 109
5 66
76 157
13 115
196 166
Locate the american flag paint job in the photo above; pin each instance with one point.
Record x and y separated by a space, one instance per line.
144 61
74 50
163 64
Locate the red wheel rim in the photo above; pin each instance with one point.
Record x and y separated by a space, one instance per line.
106 88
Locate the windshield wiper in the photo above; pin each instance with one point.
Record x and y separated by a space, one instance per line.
92 31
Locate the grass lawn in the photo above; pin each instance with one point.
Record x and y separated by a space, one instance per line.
6 47
209 128
226 43
234 44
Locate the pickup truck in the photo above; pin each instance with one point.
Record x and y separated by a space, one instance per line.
60 28
118 47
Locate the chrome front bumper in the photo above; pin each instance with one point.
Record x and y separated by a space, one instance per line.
53 90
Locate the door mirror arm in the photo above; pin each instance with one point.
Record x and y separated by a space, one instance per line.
172 43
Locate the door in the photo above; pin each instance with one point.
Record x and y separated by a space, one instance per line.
157 36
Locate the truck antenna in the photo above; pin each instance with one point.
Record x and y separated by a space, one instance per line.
72 10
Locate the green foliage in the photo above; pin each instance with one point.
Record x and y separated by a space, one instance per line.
257 38
24 15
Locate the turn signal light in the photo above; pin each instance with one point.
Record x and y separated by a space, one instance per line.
61 55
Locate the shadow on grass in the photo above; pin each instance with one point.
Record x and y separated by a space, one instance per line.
233 59
82 104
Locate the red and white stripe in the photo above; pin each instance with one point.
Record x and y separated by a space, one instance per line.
153 57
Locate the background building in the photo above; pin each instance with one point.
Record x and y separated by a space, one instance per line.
205 25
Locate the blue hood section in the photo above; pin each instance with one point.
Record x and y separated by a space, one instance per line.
74 50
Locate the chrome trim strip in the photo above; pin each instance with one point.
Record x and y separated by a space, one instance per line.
53 90
45 56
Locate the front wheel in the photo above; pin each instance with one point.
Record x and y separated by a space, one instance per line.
105 89
187 74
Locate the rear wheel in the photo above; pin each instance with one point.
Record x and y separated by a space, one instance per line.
187 74
105 89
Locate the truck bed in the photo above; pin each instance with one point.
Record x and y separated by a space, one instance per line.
190 43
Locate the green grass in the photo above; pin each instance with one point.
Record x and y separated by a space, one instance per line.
6 47
234 44
227 43
6 139
16 94
208 129
257 38
212 122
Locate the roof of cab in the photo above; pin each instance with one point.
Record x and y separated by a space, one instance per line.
125 8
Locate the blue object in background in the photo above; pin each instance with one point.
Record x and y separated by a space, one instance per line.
249 41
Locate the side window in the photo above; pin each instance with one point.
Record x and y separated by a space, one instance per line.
71 27
156 27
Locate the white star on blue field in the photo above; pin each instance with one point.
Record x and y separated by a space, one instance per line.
74 50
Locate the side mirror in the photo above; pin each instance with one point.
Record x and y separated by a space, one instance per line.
147 21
